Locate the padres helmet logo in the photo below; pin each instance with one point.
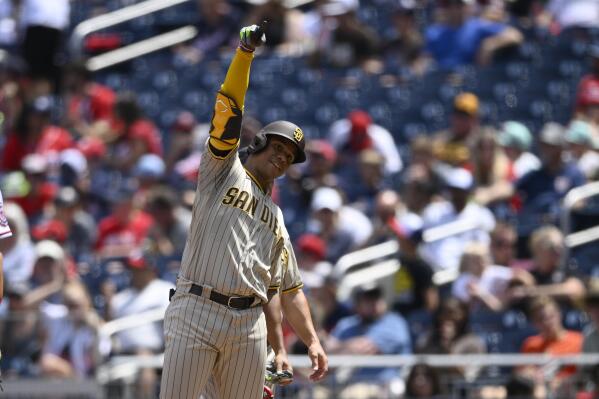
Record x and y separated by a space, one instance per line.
298 135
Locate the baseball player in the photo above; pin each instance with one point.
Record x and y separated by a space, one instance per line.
4 233
297 311
215 325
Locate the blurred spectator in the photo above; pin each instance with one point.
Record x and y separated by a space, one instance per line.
453 146
149 171
147 293
133 134
551 277
480 283
387 206
566 14
327 309
445 253
343 228
86 101
591 337
39 191
356 133
492 172
419 188
552 337
542 190
50 271
343 40
361 193
21 333
450 332
503 244
413 283
459 39
217 25
372 330
310 253
33 132
422 382
44 23
515 138
71 220
405 44
125 228
423 162
583 145
168 234
587 95
17 249
180 139
71 348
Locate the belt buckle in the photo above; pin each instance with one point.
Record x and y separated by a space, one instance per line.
229 301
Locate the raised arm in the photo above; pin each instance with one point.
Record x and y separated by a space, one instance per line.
225 127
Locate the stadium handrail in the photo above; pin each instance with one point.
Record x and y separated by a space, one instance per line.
124 366
572 198
142 47
116 17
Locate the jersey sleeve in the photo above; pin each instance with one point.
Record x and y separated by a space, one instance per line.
291 277
4 227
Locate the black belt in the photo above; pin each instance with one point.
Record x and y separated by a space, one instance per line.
233 302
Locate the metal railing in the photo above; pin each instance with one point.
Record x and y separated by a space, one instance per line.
571 200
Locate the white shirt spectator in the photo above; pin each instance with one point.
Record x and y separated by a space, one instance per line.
527 162
4 227
494 281
19 259
382 141
130 302
49 13
445 253
570 13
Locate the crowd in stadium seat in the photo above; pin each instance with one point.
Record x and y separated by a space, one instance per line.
418 113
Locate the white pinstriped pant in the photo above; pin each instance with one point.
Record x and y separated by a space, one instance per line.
205 339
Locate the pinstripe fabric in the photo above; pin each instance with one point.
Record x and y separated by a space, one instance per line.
234 245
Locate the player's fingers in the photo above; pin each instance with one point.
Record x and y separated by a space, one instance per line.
319 366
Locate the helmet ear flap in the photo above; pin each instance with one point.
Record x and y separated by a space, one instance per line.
258 143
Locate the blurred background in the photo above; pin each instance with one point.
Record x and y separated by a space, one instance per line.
448 211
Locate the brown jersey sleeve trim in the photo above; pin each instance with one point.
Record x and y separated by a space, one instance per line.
297 287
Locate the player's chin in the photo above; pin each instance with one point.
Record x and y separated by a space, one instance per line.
275 171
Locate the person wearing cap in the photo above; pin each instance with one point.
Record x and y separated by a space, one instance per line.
342 227
516 140
587 93
33 132
462 40
413 283
125 227
17 249
357 132
583 146
372 330
230 264
454 145
542 190
445 253
146 293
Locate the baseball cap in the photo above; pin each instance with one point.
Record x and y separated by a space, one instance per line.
75 160
53 230
66 197
588 93
552 134
409 226
42 104
323 148
34 163
466 103
459 178
184 123
313 245
339 7
360 120
49 249
580 132
515 134
150 165
140 260
326 198
92 147
404 6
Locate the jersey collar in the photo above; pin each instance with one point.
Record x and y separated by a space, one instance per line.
253 178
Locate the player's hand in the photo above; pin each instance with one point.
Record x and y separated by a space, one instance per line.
320 362
251 37
281 364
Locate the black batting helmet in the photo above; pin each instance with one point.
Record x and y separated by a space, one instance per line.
285 129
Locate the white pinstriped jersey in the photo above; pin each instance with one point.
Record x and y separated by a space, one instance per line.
237 232
292 279
4 227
